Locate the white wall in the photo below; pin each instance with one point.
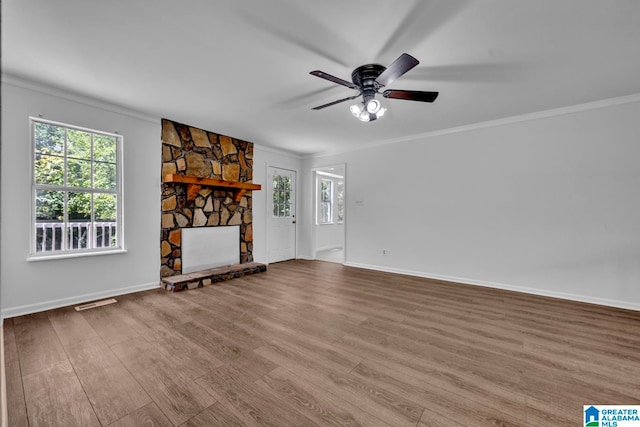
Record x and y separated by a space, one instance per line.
329 236
548 205
35 286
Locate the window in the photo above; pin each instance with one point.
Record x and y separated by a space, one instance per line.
339 196
330 198
326 201
77 201
281 196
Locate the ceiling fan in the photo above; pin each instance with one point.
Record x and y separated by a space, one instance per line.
368 79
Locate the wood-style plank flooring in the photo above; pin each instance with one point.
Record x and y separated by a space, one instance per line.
317 343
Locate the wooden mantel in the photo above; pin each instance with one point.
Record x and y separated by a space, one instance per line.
195 183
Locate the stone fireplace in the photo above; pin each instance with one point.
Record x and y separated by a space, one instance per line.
206 183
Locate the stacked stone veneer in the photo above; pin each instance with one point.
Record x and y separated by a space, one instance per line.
190 151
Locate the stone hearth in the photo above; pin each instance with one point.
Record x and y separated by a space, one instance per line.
209 276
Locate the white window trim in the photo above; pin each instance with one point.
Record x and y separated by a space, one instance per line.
119 191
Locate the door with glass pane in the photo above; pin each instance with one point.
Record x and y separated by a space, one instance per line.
281 240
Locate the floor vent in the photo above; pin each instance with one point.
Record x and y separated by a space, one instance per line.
96 304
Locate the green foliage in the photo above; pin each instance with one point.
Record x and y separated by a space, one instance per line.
49 138
49 205
105 207
104 175
104 148
79 206
78 173
78 144
90 164
49 169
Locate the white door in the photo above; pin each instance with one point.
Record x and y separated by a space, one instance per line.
281 216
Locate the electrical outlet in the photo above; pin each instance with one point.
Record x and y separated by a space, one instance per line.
385 251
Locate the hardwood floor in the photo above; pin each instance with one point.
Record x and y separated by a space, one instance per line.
317 343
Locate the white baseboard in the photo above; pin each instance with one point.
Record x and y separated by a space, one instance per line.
534 291
329 248
4 420
63 302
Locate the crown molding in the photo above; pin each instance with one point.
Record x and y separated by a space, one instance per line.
37 86
555 112
278 151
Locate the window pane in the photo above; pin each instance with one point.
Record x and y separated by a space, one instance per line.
104 176
79 226
79 173
79 206
104 206
49 224
79 234
49 236
49 139
78 144
48 169
105 219
340 201
49 205
105 234
104 148
325 213
325 190
287 196
276 201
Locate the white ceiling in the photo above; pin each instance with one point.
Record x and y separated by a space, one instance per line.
241 67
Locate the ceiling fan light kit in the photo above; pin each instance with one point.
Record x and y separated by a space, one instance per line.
368 79
371 111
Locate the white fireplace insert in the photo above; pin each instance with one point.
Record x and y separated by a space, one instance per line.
209 247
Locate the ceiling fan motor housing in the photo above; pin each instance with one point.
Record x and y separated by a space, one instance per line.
365 78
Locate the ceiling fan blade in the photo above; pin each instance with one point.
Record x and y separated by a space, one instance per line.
335 102
493 72
411 95
333 79
400 66
302 99
420 21
302 22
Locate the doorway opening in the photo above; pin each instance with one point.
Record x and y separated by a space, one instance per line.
330 213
